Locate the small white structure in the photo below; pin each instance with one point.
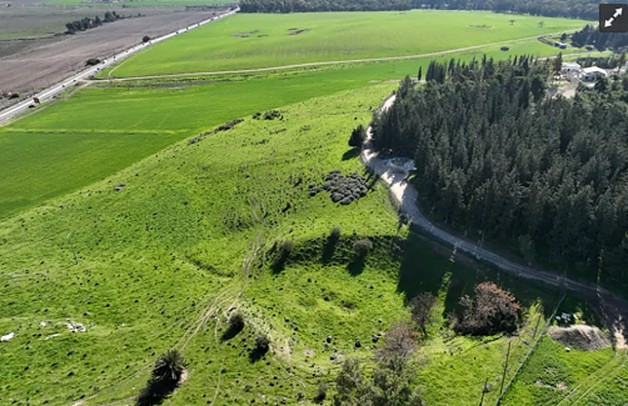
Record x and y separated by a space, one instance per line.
7 337
400 165
571 67
592 73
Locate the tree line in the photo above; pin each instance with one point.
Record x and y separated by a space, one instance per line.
495 154
87 23
586 9
590 35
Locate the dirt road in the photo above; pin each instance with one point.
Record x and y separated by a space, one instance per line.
58 88
611 307
39 67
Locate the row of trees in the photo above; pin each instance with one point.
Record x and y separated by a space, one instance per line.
88 22
495 155
590 35
587 9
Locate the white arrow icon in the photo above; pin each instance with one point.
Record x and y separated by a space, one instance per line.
618 11
609 22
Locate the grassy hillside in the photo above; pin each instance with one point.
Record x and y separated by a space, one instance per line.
253 41
163 262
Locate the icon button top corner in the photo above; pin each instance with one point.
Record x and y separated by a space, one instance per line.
613 18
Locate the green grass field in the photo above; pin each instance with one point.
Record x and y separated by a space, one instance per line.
253 41
161 263
554 376
143 117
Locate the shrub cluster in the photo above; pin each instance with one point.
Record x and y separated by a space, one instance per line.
269 115
223 127
92 62
491 310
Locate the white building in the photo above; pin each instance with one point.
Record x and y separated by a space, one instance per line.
592 73
570 67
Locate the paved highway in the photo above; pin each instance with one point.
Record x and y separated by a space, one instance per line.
54 90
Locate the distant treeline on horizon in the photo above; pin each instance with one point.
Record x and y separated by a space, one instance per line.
586 9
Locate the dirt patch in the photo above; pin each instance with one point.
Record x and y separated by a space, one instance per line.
245 34
297 31
581 337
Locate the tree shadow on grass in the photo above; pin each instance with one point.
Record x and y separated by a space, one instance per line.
356 267
232 331
428 266
256 354
329 249
350 154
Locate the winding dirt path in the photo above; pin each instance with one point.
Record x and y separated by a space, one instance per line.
612 308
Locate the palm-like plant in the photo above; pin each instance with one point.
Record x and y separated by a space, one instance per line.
169 368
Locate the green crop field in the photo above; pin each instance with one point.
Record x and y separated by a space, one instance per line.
162 262
162 112
254 41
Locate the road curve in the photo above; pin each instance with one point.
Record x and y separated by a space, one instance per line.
405 195
56 89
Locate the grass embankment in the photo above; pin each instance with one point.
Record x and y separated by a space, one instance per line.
264 40
160 264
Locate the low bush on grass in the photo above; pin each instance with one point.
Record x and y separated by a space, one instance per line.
236 324
165 378
362 248
262 345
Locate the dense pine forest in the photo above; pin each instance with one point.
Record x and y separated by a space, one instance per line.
495 154
586 9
